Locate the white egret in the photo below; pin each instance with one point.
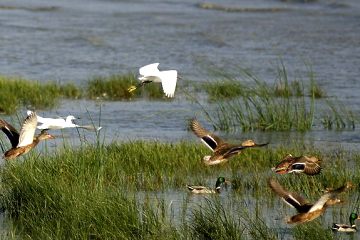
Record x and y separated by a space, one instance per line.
150 73
60 123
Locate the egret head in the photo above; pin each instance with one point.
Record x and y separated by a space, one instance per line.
70 118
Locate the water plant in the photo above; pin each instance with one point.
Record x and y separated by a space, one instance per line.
212 221
93 191
16 92
283 106
115 87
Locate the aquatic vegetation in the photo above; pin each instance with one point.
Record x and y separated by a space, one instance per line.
213 221
224 89
92 191
284 106
338 116
115 87
18 92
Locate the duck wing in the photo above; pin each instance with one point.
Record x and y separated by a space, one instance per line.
27 131
320 204
329 198
10 132
209 139
292 199
309 168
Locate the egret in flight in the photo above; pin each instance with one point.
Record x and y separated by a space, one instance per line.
150 73
60 123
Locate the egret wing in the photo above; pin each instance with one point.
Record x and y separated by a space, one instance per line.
168 82
149 70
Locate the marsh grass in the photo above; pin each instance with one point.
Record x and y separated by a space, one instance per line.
338 116
224 89
212 221
17 92
91 192
253 104
115 87
313 230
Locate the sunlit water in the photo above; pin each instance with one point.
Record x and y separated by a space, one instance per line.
73 40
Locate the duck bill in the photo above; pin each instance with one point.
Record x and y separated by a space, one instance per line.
261 145
280 170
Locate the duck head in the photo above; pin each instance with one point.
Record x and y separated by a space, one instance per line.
45 135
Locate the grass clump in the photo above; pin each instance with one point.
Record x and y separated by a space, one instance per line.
284 106
115 87
213 221
225 89
92 192
17 92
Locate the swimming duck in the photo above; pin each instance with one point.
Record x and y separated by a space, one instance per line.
206 190
222 150
25 141
60 123
306 211
347 228
301 164
150 73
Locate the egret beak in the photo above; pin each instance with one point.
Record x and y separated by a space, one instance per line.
131 88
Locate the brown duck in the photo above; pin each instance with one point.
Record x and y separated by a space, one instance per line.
301 164
307 211
222 150
25 141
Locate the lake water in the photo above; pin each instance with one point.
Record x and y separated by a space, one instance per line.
73 40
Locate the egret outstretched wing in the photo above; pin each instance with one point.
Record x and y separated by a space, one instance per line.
149 70
168 81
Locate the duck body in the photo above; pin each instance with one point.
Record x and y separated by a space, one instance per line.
206 190
306 210
201 190
222 151
301 164
343 228
338 227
